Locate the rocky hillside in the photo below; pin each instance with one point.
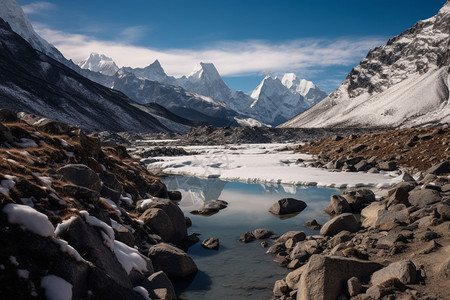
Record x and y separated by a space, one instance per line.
404 83
82 221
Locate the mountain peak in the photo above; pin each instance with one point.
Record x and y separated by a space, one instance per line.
99 63
205 70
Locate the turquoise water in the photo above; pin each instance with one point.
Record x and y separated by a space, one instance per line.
237 270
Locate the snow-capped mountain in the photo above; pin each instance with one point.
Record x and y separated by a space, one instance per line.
404 83
12 12
153 72
277 101
310 92
99 63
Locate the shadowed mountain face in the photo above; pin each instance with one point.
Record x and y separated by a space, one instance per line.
32 82
403 83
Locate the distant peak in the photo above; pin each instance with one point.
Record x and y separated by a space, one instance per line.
205 69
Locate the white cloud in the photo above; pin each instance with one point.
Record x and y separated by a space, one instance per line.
232 58
37 7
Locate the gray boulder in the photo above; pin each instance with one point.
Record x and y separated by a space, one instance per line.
358 199
423 198
337 206
388 218
387 165
287 206
325 277
262 233
404 270
441 168
81 175
159 286
172 260
297 236
339 223
161 224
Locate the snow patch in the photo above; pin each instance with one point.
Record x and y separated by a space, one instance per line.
129 258
29 219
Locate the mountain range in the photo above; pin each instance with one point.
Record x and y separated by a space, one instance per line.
403 83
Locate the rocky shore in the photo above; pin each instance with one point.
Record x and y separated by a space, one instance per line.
82 221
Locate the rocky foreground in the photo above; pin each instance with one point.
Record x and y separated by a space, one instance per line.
395 247
81 221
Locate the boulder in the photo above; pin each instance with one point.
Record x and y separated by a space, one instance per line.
358 199
339 223
423 198
81 175
398 196
175 215
287 206
387 165
404 270
293 277
247 237
370 214
280 288
337 206
159 286
262 233
325 277
312 224
211 243
171 260
161 224
297 236
354 286
174 195
439 169
388 217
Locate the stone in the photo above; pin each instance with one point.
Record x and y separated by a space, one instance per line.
287 206
82 193
176 216
341 237
398 196
358 148
293 277
81 175
387 217
443 211
280 288
354 286
404 270
337 206
156 283
363 165
339 223
312 224
358 199
439 169
387 165
423 198
174 195
160 223
370 214
297 236
211 243
174 262
247 237
325 276
261 233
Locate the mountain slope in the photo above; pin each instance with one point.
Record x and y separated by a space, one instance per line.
153 72
32 82
404 83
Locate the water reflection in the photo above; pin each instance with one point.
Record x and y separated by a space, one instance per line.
239 270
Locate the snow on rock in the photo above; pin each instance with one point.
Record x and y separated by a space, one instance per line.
129 258
106 231
263 163
99 63
142 291
29 219
5 185
56 288
65 247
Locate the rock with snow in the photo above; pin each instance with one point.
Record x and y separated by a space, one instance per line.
28 219
153 72
403 83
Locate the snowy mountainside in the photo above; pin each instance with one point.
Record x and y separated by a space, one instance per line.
99 63
404 83
276 102
12 13
153 72
33 82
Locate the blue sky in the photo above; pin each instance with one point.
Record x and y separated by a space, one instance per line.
320 40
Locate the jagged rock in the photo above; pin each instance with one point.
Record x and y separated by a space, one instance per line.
211 243
312 224
297 236
262 233
325 276
398 196
387 166
81 175
358 199
422 198
287 206
441 168
354 286
337 206
339 223
280 288
159 286
404 270
247 237
173 261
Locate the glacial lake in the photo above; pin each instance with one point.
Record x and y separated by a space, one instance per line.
238 270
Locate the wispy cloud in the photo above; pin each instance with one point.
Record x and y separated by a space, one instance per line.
132 34
37 7
232 58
